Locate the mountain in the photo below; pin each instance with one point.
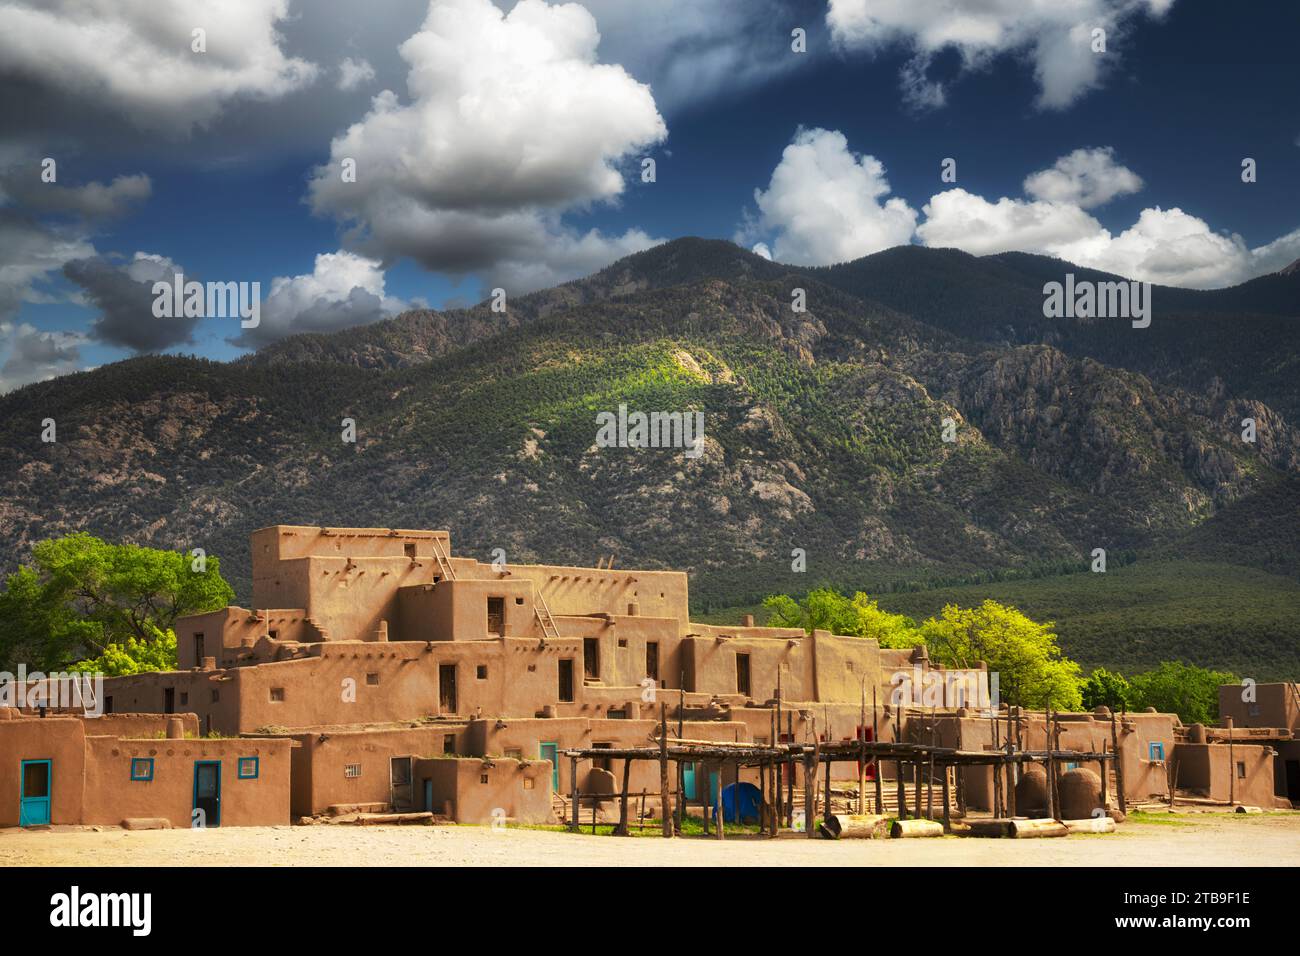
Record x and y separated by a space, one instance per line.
824 432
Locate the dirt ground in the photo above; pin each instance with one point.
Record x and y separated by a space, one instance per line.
1192 840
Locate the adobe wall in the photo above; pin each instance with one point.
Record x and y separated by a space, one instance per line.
486 791
1206 769
111 794
1275 705
57 739
212 696
584 591
321 762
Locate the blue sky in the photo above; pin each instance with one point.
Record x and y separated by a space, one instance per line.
508 148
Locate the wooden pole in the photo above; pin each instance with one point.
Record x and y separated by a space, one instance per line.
875 738
809 783
929 777
947 807
1119 766
789 772
573 785
666 807
717 800
862 752
1232 767
898 765
622 810
1011 765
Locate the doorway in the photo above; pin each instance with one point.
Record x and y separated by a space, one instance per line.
652 660
447 688
591 658
551 751
1293 779
34 806
496 616
399 783
566 680
742 674
169 700
207 791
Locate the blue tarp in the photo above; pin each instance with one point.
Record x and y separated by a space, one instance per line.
741 803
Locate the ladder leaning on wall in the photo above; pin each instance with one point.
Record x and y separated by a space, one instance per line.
444 562
544 616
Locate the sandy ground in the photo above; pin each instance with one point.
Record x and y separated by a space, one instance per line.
1200 840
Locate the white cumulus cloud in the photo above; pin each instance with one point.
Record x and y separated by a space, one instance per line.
136 57
1086 178
353 73
1056 36
509 122
826 204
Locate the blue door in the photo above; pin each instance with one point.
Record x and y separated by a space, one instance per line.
688 780
207 792
551 752
34 806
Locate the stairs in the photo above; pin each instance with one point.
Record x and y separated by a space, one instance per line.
544 617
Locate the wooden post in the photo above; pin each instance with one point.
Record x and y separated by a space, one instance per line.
717 799
809 783
666 809
827 808
916 787
947 807
776 790
875 766
862 751
1011 768
679 806
573 789
622 810
902 795
1232 767
1119 766
789 783
929 777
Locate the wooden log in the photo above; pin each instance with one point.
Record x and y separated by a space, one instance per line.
717 801
1091 825
573 782
875 766
1028 829
622 810
856 826
665 810
989 829
909 829
1119 766
947 806
809 797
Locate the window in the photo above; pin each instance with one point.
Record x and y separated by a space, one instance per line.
409 548
528 783
352 770
483 778
519 601
277 694
1241 769
198 649
622 642
273 634
1156 750
496 615
108 704
591 658
481 672
514 753
601 763
142 768
566 680
372 680
742 674
248 767
216 695
449 743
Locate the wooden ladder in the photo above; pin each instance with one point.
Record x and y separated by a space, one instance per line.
544 617
444 561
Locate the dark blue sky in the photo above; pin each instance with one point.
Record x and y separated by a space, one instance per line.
1182 100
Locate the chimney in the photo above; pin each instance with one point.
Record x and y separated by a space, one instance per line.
747 620
175 728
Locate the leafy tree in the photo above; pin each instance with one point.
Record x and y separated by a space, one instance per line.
1023 653
80 595
1186 690
858 616
134 656
1108 689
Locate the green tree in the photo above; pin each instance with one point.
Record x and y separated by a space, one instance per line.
1186 690
858 616
1105 688
134 656
1023 653
80 595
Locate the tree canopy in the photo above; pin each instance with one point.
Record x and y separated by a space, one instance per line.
81 595
858 616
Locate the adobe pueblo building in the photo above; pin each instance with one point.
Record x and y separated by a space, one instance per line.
380 674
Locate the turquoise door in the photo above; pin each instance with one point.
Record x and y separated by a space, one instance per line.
688 780
34 806
551 752
207 792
